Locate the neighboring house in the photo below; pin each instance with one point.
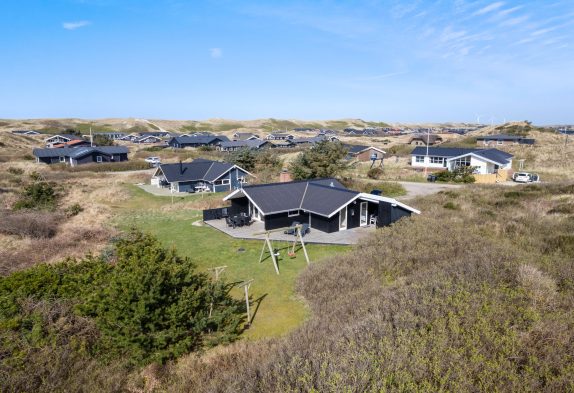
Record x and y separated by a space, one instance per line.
279 136
314 140
200 175
60 139
81 155
324 204
283 144
25 132
196 141
365 153
247 144
421 139
245 136
486 161
159 134
72 143
110 135
501 140
147 139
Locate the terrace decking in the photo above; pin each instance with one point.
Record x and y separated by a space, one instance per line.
346 237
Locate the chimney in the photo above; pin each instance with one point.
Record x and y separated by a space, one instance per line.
285 176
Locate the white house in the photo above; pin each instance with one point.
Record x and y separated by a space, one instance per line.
486 161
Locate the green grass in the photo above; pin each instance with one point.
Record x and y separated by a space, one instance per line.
277 308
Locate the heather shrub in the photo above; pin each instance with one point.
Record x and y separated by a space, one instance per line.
33 224
40 195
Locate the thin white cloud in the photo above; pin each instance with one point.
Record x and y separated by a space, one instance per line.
489 8
76 25
381 76
216 53
509 10
515 21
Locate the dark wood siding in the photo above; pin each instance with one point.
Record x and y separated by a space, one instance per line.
325 224
281 220
239 205
389 214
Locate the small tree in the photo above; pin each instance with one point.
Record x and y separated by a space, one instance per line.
102 140
325 159
40 195
244 158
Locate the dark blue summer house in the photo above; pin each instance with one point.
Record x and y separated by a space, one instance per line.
324 204
181 142
200 175
81 155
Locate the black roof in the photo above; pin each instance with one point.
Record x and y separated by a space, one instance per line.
499 137
254 143
76 152
355 148
320 196
199 139
491 154
197 170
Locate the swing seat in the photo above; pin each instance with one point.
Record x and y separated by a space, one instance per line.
292 255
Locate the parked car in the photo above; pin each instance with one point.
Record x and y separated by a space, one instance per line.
153 160
525 177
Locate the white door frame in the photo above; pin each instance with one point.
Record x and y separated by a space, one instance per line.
341 226
366 210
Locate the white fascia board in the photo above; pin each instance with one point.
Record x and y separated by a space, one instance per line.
380 198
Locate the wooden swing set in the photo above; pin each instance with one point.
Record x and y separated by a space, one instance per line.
274 253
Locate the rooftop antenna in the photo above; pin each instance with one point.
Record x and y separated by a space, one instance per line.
91 138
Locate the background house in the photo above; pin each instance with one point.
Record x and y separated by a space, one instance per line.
486 161
365 153
81 155
245 136
200 175
183 142
63 138
279 136
251 144
421 139
324 204
502 140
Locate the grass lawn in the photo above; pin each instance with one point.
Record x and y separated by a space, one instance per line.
274 302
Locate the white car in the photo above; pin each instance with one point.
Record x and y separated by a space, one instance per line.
153 160
525 177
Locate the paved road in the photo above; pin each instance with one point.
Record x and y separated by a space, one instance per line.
421 189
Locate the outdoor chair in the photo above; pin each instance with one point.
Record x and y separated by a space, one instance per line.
228 221
292 231
305 229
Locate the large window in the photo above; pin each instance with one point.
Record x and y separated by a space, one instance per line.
437 160
420 159
292 213
221 182
463 161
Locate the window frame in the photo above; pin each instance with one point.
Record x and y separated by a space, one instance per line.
99 159
290 213
420 159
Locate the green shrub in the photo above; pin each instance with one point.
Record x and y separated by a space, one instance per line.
74 210
451 206
375 173
148 305
205 148
15 171
39 195
461 174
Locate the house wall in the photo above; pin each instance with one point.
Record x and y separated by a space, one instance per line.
186 186
234 183
239 205
281 220
91 158
426 163
366 155
387 214
325 224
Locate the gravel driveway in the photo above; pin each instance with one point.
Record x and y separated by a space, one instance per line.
421 189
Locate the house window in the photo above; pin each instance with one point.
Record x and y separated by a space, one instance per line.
420 159
241 179
437 160
221 182
62 159
463 161
292 213
499 142
98 158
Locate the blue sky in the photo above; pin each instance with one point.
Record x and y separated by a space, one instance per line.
404 61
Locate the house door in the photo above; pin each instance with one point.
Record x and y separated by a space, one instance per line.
343 218
364 213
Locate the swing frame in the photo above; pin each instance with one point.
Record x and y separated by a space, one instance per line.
268 243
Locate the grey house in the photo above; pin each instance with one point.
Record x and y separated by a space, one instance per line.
181 142
200 175
324 204
81 155
255 144
61 138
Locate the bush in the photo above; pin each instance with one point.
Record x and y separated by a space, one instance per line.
205 148
31 224
375 173
15 171
451 206
74 210
461 174
40 195
325 159
149 305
